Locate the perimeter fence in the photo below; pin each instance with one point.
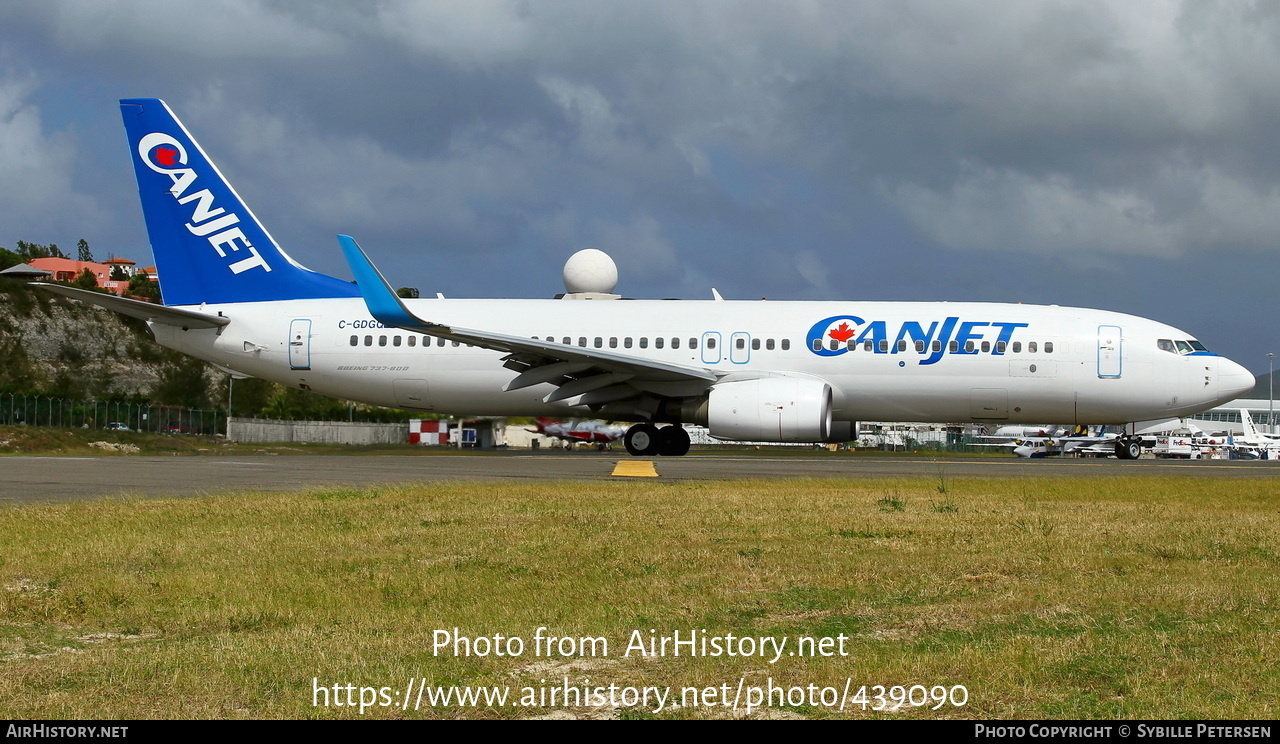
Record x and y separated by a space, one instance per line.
46 410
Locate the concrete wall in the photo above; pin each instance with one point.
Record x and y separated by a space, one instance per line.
520 437
323 432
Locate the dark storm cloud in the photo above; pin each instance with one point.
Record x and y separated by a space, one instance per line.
1097 153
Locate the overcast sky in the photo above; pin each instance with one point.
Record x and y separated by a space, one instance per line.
1120 155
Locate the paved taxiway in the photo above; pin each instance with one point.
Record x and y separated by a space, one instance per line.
46 479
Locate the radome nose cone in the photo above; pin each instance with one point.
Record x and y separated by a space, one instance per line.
1233 380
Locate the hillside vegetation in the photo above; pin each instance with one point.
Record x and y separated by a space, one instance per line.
54 346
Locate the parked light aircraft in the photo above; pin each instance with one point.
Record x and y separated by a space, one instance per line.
1254 443
596 432
756 371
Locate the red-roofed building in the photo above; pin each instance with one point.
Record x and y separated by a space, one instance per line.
66 270
123 264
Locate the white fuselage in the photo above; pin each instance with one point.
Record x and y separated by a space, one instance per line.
979 361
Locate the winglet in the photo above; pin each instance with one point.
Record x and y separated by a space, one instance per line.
383 303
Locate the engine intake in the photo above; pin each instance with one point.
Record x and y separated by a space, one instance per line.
771 409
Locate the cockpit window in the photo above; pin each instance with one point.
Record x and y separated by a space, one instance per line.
1165 344
1196 345
1184 347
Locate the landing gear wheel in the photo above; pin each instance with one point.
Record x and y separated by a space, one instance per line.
1128 449
642 440
673 441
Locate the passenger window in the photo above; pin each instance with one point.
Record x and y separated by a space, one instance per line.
644 342
1000 347
599 342
626 342
368 340
968 347
395 340
936 345
986 346
355 340
851 345
657 342
440 342
834 344
741 344
868 346
902 344
455 344
884 345
382 340
693 343
920 346
711 342
582 341
786 344
413 340
953 346
1017 347
1031 347
755 344
1048 347
768 345
675 343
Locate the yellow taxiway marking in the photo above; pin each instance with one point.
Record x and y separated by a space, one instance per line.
635 469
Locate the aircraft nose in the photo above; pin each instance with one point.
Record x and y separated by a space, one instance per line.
1233 380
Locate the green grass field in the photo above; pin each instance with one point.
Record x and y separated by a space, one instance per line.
1055 598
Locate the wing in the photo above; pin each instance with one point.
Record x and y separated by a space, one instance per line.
590 377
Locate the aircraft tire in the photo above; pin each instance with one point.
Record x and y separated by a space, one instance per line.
1128 449
642 440
673 441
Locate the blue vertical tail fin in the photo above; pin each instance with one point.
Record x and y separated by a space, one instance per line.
207 245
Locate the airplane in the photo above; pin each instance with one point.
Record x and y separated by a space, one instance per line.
1254 443
763 371
596 432
1049 441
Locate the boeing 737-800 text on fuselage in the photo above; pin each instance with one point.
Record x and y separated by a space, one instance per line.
757 371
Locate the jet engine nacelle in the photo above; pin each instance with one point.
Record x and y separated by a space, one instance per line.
771 409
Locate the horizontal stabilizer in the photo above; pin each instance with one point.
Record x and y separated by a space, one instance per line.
136 309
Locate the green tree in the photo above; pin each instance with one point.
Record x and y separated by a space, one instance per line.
83 251
183 382
118 274
18 374
28 251
251 395
8 258
85 280
140 285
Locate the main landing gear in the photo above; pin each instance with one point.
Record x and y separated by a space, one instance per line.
646 439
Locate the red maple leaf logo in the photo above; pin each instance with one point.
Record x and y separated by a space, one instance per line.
166 156
841 333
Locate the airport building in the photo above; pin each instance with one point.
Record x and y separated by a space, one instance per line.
1227 418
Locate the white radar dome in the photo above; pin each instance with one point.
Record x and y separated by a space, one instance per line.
590 270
